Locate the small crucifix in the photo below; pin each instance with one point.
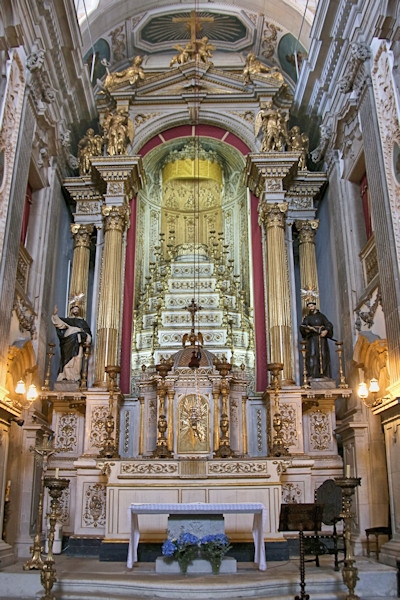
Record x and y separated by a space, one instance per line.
193 308
191 337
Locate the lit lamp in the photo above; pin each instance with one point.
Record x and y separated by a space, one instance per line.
30 395
368 395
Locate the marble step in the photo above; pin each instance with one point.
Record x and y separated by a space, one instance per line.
86 579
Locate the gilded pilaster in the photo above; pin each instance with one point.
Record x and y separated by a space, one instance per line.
308 261
141 434
273 218
244 423
170 419
216 418
109 311
80 266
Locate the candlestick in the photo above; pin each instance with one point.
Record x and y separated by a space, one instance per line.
348 471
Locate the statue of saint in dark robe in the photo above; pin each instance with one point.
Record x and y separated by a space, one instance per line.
316 329
73 332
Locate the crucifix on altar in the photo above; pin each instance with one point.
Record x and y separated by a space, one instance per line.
193 338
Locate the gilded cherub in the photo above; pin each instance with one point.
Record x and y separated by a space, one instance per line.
205 50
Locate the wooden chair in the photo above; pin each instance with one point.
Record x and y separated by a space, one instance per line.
321 542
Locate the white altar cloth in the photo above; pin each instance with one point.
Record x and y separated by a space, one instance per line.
255 508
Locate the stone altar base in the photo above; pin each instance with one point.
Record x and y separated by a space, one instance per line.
197 567
197 524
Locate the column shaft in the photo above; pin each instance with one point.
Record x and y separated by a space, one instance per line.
278 289
80 264
109 311
308 260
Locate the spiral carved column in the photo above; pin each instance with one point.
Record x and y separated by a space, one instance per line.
272 217
80 265
108 321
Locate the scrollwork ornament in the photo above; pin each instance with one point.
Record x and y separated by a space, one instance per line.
105 468
270 36
95 505
67 437
26 316
320 434
152 468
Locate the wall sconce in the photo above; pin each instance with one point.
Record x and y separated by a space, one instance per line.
368 395
26 396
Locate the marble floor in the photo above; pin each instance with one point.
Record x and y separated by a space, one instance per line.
87 579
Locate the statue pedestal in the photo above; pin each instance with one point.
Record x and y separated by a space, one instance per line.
66 386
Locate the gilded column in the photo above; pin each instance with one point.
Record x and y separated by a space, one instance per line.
141 426
216 418
80 265
308 261
273 218
109 310
244 423
118 178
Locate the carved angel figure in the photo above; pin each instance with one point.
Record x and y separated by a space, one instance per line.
272 122
132 74
299 141
90 145
118 131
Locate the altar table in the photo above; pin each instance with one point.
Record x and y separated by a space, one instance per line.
200 508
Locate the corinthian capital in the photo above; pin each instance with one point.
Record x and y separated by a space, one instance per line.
115 217
272 215
81 234
307 230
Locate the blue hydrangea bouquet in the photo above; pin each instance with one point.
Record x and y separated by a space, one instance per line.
188 547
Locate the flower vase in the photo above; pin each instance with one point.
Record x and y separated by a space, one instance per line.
216 565
183 565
